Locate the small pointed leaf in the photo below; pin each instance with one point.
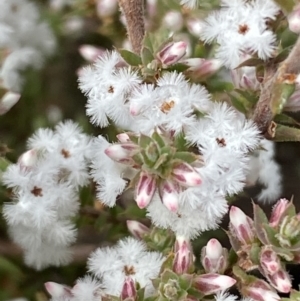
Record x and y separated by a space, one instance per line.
130 58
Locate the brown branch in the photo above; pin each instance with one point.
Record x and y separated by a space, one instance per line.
134 14
272 89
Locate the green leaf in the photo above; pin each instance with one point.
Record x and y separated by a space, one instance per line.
286 120
252 62
282 55
147 56
161 160
131 58
180 142
254 253
280 94
185 281
237 103
250 97
286 133
4 163
168 274
186 157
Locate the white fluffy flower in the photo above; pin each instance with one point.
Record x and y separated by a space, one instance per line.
45 184
241 27
25 39
128 258
108 86
171 105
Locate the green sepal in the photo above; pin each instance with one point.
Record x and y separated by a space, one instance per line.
254 253
186 157
280 95
130 58
158 139
168 274
144 141
284 253
163 158
147 56
259 219
237 103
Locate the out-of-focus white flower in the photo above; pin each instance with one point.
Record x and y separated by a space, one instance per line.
106 8
45 183
266 171
294 20
25 39
173 20
8 100
240 27
129 258
90 52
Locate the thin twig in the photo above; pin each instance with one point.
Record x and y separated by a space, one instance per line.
134 14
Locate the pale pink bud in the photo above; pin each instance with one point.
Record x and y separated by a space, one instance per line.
241 225
293 103
281 281
200 68
186 175
245 78
28 159
173 20
294 20
145 189
168 191
90 53
8 100
128 289
212 283
122 152
269 261
195 26
172 53
278 212
123 138
183 256
214 257
106 8
260 291
137 229
58 290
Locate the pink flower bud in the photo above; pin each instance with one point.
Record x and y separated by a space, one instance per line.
241 225
58 290
122 152
214 257
260 291
294 20
123 138
281 281
168 191
90 53
183 260
269 261
145 189
8 100
138 230
128 289
172 53
28 159
200 68
186 175
212 283
278 212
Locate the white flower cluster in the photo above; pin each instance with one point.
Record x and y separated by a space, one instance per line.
240 27
113 268
45 184
24 41
223 137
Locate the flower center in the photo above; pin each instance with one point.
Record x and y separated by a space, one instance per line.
167 106
36 191
129 270
243 29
